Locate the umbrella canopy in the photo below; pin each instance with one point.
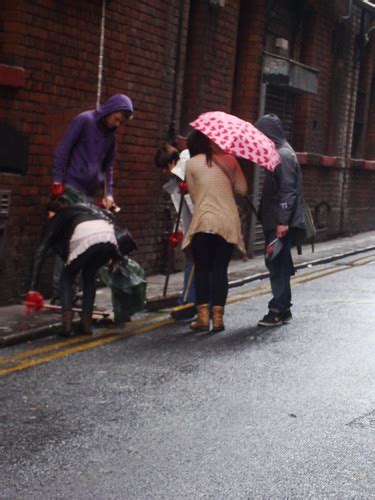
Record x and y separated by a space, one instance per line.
238 137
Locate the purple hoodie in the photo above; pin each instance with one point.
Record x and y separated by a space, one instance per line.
87 150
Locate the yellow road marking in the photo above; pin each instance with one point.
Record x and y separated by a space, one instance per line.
76 340
296 280
83 347
362 261
107 336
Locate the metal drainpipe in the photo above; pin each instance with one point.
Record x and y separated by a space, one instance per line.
257 169
257 173
172 124
350 12
349 132
366 4
367 35
101 54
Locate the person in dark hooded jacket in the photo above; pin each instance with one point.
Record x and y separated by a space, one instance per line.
281 214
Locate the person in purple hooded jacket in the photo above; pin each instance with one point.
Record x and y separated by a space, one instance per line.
83 163
84 157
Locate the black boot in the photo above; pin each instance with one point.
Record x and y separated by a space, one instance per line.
67 324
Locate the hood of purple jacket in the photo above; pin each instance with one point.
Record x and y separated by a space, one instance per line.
118 102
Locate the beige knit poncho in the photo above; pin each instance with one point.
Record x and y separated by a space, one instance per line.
212 190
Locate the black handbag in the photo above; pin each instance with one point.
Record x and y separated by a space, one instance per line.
310 229
125 241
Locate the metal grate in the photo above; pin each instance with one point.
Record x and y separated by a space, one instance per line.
259 236
4 203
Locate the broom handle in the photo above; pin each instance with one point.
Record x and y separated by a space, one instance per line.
59 308
189 283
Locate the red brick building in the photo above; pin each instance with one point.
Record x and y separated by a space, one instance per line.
310 61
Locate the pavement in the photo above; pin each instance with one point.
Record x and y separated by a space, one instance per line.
17 327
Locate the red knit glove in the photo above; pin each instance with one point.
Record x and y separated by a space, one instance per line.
179 235
175 238
34 301
57 190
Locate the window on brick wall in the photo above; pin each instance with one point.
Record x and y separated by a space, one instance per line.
284 24
363 120
281 102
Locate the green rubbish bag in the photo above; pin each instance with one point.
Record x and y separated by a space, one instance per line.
126 279
73 196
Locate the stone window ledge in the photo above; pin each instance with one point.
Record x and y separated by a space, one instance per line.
313 159
12 76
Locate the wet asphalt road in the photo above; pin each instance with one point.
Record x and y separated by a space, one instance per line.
247 413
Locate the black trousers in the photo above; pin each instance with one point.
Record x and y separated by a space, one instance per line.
89 263
211 255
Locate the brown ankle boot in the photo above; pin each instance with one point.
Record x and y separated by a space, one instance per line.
217 319
202 323
67 324
85 324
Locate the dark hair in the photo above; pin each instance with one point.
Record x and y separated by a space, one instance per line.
165 154
56 204
128 115
198 143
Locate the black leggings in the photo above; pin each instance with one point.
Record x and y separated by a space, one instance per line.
211 258
89 263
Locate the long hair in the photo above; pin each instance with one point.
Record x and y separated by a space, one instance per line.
198 143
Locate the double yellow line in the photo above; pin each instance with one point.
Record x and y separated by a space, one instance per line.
61 349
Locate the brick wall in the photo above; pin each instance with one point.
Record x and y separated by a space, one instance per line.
210 58
252 19
312 115
322 189
340 195
370 144
175 59
359 201
58 45
47 44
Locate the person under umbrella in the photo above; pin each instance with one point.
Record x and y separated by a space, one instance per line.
212 177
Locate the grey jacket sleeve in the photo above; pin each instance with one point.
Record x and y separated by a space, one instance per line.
286 176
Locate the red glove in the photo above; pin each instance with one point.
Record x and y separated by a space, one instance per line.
269 249
175 238
57 189
179 235
34 301
183 187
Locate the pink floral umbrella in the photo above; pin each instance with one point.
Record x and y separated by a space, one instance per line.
238 137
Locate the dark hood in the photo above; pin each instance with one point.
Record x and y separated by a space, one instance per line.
271 126
118 102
